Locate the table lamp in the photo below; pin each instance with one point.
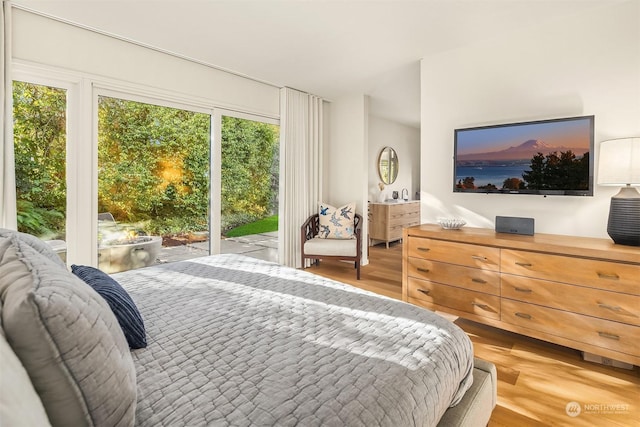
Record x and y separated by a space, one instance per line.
619 164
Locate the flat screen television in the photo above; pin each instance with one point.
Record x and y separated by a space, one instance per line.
548 157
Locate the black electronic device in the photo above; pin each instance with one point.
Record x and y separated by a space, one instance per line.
514 225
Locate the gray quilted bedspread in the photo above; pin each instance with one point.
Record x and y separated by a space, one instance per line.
238 341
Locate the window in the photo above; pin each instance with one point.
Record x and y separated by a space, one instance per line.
153 184
92 157
40 139
249 187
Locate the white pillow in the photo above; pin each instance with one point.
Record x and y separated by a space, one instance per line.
19 403
337 223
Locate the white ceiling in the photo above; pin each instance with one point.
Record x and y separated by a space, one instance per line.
326 47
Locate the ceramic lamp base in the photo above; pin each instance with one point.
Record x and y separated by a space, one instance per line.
624 217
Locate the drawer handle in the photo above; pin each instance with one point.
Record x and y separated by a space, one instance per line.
478 280
524 264
524 290
523 315
608 276
424 291
479 258
424 249
422 270
610 307
482 306
608 335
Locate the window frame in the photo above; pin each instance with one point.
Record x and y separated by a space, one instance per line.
83 91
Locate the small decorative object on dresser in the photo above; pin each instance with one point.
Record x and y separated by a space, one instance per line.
579 292
451 223
381 194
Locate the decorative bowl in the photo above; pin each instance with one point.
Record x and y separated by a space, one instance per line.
451 223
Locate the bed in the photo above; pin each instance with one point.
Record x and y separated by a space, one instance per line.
227 341
239 341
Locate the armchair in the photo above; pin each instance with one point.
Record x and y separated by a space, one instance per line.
316 248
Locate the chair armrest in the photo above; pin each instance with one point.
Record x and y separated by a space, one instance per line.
358 233
310 228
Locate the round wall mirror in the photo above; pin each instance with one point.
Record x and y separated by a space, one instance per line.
388 165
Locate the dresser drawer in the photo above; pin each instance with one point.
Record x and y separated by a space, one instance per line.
577 327
405 209
395 232
474 279
611 276
472 302
592 302
477 256
403 220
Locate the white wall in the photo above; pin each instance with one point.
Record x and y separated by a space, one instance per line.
589 64
405 140
345 157
41 40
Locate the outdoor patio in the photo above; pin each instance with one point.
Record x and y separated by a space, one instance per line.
262 246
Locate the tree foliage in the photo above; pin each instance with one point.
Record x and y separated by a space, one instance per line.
557 172
153 164
468 183
249 171
512 184
39 128
154 167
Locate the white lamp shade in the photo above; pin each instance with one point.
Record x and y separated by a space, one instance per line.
619 162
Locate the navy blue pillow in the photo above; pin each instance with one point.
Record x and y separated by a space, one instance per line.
119 301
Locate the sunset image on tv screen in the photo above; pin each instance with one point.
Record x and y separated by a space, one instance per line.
533 157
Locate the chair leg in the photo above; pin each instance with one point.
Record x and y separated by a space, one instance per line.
357 270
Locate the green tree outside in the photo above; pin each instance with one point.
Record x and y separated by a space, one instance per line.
40 138
153 165
249 171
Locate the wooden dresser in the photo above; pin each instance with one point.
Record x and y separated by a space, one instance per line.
387 220
579 292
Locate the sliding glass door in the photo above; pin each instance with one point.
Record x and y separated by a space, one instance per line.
147 179
153 184
249 182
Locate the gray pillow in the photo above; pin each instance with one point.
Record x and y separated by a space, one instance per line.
67 338
35 243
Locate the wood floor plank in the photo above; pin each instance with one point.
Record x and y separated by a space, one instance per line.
536 380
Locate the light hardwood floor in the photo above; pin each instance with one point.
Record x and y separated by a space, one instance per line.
536 380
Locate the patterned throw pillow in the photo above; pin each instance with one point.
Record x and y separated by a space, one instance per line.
337 223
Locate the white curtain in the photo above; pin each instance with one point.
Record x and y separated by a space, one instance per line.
7 175
300 168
